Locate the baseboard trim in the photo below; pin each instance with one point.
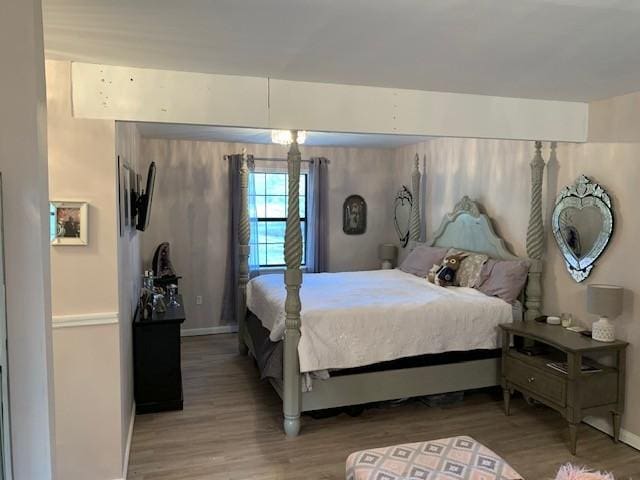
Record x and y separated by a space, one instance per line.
603 425
193 332
84 320
127 451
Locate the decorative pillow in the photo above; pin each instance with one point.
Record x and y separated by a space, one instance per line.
504 279
572 472
470 268
421 259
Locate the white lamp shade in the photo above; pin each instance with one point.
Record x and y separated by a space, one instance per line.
604 300
387 251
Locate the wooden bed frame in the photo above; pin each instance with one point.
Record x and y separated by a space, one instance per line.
465 228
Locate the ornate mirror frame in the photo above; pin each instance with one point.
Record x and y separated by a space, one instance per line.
584 193
403 198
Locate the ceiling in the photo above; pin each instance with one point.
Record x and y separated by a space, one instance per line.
255 135
549 49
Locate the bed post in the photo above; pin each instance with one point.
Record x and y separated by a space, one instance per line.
244 234
414 223
292 389
535 238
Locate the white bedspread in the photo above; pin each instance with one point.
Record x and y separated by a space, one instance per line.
352 319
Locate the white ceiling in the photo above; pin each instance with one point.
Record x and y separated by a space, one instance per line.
255 135
551 49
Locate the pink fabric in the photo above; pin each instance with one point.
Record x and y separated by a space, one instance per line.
504 279
572 472
421 259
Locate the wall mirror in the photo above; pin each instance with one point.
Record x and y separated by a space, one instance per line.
582 225
402 214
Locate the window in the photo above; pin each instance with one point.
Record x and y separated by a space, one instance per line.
271 209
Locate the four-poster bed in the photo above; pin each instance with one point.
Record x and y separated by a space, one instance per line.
466 228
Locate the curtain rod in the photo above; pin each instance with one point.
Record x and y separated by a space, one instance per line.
274 159
264 159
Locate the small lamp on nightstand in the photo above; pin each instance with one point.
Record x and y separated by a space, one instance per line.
387 252
606 301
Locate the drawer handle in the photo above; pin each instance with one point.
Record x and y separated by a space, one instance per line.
531 379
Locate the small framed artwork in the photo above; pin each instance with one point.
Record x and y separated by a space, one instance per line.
120 198
69 223
125 175
354 215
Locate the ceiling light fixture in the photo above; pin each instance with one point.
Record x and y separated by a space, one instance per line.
285 137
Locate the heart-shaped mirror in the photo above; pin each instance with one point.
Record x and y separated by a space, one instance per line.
582 224
402 214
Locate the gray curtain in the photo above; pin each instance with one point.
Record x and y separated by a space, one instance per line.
228 314
318 221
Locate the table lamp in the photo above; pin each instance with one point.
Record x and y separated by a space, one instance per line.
606 301
387 252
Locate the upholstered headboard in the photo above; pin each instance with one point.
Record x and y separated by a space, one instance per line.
466 228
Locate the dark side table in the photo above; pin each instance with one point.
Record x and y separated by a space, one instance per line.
574 394
156 360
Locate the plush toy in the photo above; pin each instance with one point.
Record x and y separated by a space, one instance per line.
431 274
445 275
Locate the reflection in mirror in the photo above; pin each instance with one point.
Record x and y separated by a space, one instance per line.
582 225
581 228
402 214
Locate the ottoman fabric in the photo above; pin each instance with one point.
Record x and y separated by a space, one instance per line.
455 458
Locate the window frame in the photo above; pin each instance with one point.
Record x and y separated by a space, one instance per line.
284 219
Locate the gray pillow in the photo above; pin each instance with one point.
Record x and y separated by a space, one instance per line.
504 279
421 259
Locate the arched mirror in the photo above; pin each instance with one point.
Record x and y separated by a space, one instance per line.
402 214
582 224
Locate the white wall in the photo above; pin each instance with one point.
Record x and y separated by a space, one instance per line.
497 174
190 210
93 378
23 163
128 146
82 168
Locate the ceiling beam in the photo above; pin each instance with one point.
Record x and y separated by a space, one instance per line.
149 95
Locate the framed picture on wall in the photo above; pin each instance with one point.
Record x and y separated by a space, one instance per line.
354 215
125 175
69 223
120 199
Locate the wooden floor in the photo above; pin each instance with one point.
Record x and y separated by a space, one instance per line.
231 428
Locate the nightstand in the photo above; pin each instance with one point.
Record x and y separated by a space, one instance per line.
575 393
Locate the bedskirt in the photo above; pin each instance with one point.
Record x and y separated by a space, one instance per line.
268 355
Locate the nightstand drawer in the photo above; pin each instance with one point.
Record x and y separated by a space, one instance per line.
536 381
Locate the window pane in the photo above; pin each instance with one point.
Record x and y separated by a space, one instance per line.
304 253
260 207
262 254
303 184
275 254
303 202
275 232
276 183
259 183
304 233
276 206
262 233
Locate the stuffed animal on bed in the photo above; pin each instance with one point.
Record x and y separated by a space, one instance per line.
445 275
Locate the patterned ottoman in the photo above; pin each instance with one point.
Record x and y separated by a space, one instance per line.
456 458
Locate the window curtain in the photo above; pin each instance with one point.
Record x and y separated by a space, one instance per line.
229 302
254 257
318 221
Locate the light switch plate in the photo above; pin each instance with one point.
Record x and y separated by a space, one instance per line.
199 300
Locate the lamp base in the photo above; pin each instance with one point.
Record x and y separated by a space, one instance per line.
603 330
387 265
